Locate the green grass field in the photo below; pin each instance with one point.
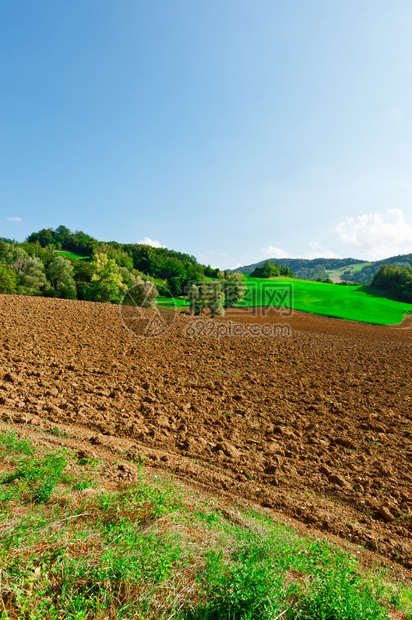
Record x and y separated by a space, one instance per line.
166 302
69 254
354 303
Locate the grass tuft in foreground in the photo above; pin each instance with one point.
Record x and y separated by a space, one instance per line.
72 549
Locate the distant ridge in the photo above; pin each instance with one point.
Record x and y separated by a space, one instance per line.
339 269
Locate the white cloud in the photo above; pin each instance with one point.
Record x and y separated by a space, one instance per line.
14 219
317 251
153 243
321 254
272 252
377 235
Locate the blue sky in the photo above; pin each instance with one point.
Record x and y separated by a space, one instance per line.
229 129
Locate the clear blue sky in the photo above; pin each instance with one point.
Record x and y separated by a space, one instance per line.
229 129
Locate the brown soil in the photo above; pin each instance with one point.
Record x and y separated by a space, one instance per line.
316 425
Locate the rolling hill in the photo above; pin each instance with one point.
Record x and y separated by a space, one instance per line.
338 269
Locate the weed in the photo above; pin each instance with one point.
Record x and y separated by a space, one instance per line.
89 461
58 433
337 592
139 460
84 484
35 479
335 589
11 443
246 589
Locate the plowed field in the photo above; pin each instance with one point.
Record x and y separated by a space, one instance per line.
316 425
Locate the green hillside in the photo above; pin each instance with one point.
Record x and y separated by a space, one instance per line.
351 269
355 303
337 275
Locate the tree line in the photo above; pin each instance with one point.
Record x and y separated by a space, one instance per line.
105 272
29 269
175 269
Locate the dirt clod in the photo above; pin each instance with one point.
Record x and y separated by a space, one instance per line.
386 514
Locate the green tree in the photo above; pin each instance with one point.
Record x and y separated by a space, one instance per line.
395 280
106 282
31 276
60 273
210 272
83 272
175 286
268 270
389 276
4 250
44 237
122 259
286 271
62 237
8 280
62 232
46 255
127 276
